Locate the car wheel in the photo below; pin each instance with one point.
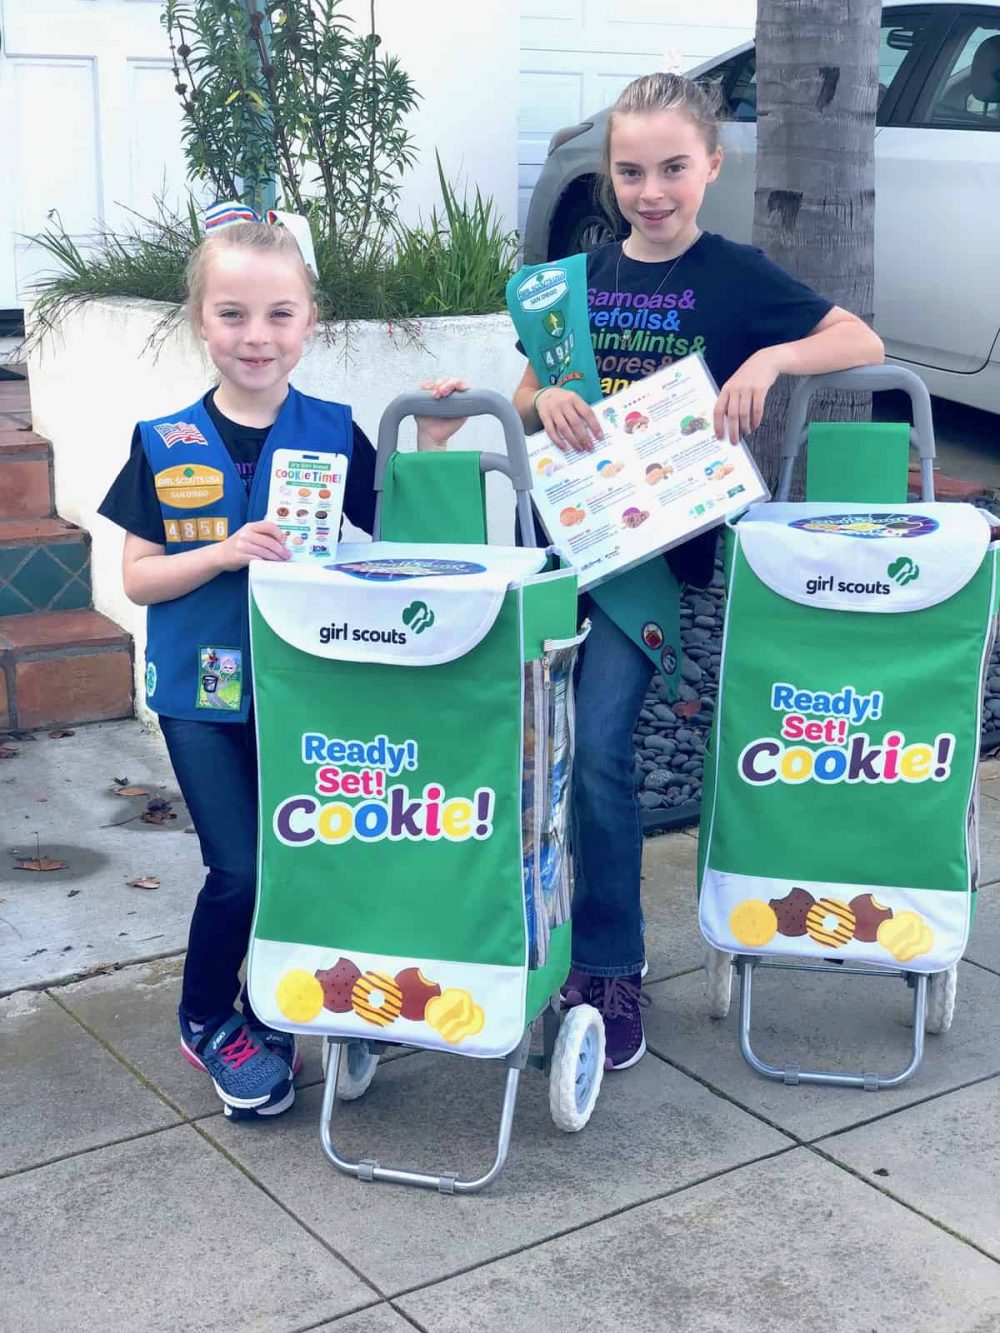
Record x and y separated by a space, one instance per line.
581 224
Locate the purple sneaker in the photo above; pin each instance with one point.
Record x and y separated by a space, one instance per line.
618 1000
576 988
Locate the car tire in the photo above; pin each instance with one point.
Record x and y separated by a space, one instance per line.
581 223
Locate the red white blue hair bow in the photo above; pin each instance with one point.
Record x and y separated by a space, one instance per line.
224 215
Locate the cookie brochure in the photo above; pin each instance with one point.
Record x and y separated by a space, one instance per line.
656 477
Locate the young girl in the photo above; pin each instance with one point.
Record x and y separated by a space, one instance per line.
751 322
191 499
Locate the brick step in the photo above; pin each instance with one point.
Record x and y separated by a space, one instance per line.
61 667
44 565
25 475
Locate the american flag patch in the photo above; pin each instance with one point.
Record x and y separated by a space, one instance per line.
179 432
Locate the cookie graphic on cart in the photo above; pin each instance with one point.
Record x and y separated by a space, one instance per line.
338 983
792 912
417 992
754 923
299 996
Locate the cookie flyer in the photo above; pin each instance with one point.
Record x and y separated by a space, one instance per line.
839 815
413 877
657 476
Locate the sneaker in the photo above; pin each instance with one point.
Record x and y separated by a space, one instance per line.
245 1072
618 1000
283 1044
576 987
280 1100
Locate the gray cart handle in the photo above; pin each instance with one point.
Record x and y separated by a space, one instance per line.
470 403
864 379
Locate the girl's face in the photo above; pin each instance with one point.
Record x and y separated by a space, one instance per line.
659 169
256 314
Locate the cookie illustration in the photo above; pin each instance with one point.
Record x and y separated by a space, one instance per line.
634 518
753 922
830 922
376 998
416 991
570 516
791 911
299 996
338 982
455 1015
868 916
906 936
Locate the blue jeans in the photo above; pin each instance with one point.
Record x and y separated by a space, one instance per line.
216 768
612 679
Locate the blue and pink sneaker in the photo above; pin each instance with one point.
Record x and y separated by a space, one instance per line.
247 1074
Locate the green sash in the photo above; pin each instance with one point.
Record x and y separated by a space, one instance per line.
548 304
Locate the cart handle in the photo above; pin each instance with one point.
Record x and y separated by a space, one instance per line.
470 403
863 379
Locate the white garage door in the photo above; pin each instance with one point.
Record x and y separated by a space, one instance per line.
90 122
577 55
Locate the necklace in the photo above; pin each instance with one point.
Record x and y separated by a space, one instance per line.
621 251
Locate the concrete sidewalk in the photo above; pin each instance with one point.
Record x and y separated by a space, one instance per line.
700 1197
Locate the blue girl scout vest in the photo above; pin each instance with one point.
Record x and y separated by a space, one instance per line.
197 647
548 304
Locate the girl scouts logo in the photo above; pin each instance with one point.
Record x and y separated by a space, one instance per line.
903 571
544 288
869 525
668 660
418 616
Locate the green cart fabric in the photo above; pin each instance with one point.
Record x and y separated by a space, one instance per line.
434 497
391 898
839 807
850 461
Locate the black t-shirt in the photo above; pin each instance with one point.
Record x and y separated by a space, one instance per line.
132 501
721 299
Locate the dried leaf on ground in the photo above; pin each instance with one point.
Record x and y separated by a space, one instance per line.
41 863
157 811
6 752
145 882
59 733
686 707
130 791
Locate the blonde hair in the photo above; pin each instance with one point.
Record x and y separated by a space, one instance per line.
661 92
260 236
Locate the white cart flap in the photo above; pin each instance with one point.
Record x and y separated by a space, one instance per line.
414 605
850 557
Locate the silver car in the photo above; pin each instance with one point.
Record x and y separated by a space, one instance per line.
937 189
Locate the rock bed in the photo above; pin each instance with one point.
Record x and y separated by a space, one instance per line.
670 741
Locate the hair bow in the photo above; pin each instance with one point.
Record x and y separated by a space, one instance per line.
224 215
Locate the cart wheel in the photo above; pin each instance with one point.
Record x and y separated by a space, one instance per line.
718 981
941 988
357 1068
577 1068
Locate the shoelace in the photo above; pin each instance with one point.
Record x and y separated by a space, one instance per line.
618 997
238 1051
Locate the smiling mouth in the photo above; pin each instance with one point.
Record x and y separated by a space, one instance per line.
659 216
256 360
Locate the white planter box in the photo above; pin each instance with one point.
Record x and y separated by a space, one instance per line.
94 377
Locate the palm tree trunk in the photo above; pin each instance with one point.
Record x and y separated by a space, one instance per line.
814 206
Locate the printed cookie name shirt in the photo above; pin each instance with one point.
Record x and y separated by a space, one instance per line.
721 299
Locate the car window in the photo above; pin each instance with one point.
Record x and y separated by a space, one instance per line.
736 81
899 40
965 88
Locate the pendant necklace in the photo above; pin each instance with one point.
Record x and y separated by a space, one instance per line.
621 251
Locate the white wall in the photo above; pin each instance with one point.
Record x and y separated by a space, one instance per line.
463 57
92 380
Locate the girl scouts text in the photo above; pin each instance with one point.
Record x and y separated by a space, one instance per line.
387 813
858 758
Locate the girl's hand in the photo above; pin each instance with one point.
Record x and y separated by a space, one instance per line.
435 432
740 405
568 421
254 541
